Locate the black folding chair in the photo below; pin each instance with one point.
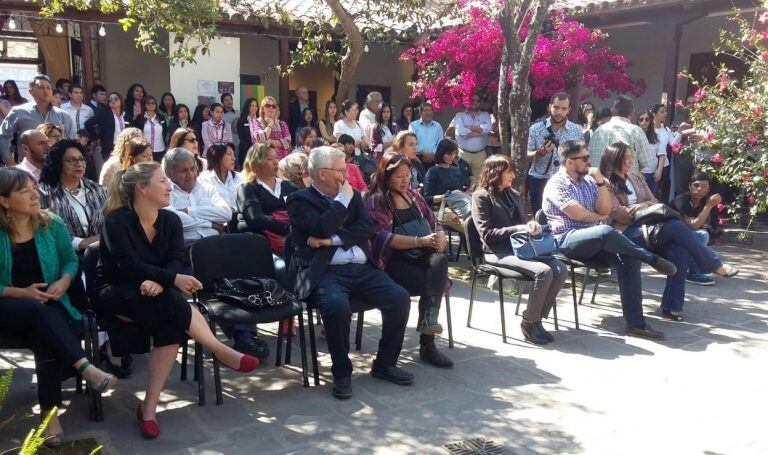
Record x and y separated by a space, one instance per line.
241 256
479 267
599 266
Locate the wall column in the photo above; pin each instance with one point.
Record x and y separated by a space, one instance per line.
284 61
87 54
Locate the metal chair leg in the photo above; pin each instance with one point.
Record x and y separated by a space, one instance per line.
584 284
448 315
501 307
458 249
518 289
313 347
450 242
184 354
359 331
216 371
279 353
597 283
288 341
303 348
471 296
200 374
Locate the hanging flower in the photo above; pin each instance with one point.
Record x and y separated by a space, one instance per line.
752 139
677 147
723 84
758 112
698 96
721 207
679 103
717 159
710 136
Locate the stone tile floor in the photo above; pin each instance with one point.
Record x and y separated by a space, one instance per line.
593 391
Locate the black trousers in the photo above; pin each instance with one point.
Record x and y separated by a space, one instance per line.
368 283
425 277
536 192
43 328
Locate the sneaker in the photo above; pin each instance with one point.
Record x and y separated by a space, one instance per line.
701 279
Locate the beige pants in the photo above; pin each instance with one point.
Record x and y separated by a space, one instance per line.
475 161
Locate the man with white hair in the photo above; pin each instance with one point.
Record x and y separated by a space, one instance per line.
368 115
332 263
202 210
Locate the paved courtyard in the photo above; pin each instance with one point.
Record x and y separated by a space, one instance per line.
593 391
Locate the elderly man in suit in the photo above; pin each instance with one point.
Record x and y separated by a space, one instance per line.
332 263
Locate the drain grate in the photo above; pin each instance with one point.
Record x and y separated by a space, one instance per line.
476 446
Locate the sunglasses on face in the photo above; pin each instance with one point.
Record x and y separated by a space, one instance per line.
270 106
584 158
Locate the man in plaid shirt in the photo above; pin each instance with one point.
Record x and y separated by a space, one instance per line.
621 129
576 202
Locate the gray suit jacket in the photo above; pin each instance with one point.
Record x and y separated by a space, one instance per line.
497 217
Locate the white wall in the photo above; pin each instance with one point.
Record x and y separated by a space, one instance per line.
222 63
122 64
260 55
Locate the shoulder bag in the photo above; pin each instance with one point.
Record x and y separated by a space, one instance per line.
528 247
417 227
657 213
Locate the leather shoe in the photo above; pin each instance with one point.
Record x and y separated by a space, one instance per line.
663 266
646 332
429 353
254 346
342 387
543 332
531 333
393 374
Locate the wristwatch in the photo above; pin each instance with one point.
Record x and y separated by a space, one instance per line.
601 183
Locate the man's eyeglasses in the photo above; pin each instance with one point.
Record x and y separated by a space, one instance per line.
74 161
343 171
584 158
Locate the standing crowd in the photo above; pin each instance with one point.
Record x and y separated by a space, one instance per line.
355 205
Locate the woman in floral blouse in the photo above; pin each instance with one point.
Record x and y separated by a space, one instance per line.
270 128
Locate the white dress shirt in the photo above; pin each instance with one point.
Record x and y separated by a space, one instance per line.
119 125
26 165
463 122
354 255
79 114
204 207
153 132
228 189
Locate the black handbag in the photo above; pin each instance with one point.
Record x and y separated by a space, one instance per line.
657 213
251 293
417 227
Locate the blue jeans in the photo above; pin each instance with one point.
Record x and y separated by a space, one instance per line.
678 244
607 244
652 185
703 235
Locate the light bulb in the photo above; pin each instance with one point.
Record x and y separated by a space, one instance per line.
366 49
300 45
59 28
423 50
11 24
102 30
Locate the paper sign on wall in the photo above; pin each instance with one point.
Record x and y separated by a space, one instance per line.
206 88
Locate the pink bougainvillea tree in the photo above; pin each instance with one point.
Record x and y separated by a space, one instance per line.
465 59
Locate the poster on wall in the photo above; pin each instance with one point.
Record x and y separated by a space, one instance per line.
206 88
205 100
250 87
226 87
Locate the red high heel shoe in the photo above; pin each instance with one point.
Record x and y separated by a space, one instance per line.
248 363
149 428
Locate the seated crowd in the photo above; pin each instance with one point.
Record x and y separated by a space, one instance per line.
367 202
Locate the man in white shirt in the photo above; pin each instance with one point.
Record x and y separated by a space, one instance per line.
75 108
35 146
202 210
472 128
368 115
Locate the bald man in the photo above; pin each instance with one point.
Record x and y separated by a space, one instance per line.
35 146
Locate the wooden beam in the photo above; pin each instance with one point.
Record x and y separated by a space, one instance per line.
86 49
672 46
284 60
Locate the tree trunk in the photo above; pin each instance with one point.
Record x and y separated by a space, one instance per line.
354 51
515 97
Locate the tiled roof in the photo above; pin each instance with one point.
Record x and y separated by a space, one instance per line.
582 7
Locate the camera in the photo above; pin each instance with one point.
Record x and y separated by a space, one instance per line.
552 139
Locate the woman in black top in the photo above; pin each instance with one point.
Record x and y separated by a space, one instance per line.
139 279
262 209
38 268
498 212
244 128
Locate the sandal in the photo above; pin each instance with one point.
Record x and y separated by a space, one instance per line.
727 271
107 382
53 440
672 316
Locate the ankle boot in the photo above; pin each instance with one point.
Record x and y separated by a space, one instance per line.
428 353
544 333
429 324
531 333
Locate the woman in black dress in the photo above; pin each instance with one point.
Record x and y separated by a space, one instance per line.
139 280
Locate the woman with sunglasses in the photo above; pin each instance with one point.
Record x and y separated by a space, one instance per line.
153 126
107 124
187 139
394 207
270 128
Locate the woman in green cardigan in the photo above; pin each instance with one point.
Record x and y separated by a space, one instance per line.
37 265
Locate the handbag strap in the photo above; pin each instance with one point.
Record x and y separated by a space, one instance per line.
395 216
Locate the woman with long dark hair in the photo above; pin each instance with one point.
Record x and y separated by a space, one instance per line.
187 139
498 211
216 129
587 116
201 115
394 206
325 125
108 124
221 172
307 120
167 106
134 101
245 128
181 119
406 117
139 278
348 124
661 140
384 130
154 127
672 238
38 267
11 93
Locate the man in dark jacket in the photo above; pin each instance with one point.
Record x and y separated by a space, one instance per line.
332 263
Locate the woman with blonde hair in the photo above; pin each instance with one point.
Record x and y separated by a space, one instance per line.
113 163
405 143
139 278
269 127
38 266
295 169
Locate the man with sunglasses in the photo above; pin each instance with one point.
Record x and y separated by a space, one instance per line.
332 263
577 202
